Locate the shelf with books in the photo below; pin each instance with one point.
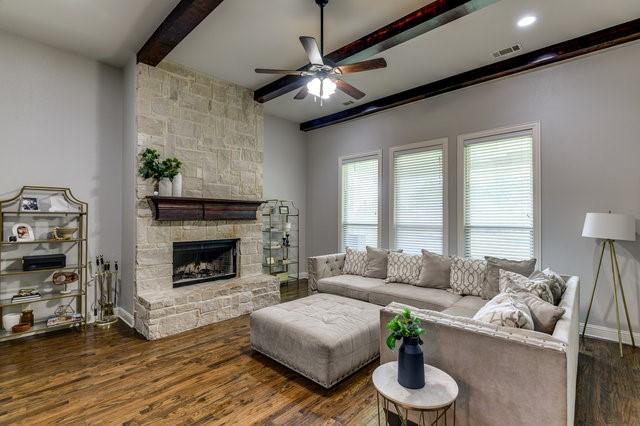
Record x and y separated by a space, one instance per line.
38 328
17 243
26 204
281 239
9 272
43 298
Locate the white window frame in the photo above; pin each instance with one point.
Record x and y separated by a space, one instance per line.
422 146
350 158
534 127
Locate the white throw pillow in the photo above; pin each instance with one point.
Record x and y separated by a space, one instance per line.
467 276
538 285
403 268
506 310
355 262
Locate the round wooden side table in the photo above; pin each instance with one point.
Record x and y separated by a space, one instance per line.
437 396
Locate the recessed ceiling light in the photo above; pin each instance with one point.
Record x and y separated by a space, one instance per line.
525 21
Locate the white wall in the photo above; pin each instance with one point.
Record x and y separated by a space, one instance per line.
61 125
285 169
590 148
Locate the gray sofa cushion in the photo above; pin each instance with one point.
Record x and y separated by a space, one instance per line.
491 286
436 271
466 307
419 297
323 337
353 286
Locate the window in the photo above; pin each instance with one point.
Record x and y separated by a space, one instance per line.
418 197
360 205
498 186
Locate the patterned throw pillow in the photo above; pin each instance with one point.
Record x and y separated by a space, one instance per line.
557 282
355 262
510 281
506 310
467 276
403 268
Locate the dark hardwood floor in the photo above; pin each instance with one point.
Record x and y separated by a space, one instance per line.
210 375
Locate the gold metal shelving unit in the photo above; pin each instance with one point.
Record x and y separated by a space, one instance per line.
278 259
11 213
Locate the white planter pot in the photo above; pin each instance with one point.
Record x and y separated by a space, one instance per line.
164 188
9 320
177 185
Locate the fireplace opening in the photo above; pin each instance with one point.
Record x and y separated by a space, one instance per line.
200 261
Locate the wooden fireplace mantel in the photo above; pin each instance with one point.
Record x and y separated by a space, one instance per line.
188 208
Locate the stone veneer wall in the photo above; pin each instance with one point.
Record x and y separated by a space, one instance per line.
216 129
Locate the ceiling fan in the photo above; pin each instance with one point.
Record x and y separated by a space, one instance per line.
327 77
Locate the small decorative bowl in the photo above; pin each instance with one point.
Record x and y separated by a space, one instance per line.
63 233
21 327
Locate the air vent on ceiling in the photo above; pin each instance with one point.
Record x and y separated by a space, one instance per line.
347 103
507 51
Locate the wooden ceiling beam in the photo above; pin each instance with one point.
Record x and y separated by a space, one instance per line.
608 37
427 18
177 25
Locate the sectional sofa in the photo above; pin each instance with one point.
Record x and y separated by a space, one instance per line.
505 375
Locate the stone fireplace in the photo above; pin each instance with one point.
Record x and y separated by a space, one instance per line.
215 129
203 261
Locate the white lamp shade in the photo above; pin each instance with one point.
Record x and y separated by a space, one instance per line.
609 226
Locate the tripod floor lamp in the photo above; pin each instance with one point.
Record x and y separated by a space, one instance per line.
610 227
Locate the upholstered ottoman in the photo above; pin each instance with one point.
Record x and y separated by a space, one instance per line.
323 337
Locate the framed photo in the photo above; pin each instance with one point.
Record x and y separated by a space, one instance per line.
283 209
29 204
23 232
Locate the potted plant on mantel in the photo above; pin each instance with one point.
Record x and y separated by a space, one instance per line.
410 357
166 176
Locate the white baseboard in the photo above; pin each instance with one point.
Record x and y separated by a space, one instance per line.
124 316
606 333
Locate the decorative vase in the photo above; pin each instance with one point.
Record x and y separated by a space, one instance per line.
177 185
411 363
164 188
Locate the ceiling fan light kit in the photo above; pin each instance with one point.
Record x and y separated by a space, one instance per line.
326 77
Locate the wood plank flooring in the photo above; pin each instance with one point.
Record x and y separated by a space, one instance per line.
211 376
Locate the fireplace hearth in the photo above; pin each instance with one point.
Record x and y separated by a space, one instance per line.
201 261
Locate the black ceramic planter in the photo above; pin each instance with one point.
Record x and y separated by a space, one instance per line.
411 364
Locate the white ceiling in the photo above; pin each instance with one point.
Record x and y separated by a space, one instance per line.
244 34
241 35
106 30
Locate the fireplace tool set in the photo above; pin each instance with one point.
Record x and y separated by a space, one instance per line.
105 292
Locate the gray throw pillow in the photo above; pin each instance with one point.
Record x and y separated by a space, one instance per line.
491 285
544 314
436 271
376 262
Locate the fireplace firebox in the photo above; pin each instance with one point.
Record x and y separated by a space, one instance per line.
200 261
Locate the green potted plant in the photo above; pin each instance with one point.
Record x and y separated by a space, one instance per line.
410 357
161 172
172 172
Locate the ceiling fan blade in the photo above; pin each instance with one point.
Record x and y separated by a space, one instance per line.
302 93
311 47
349 89
371 64
272 71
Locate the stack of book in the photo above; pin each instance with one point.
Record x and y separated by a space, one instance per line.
54 321
26 297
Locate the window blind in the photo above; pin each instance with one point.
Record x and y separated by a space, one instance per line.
418 200
499 196
360 192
